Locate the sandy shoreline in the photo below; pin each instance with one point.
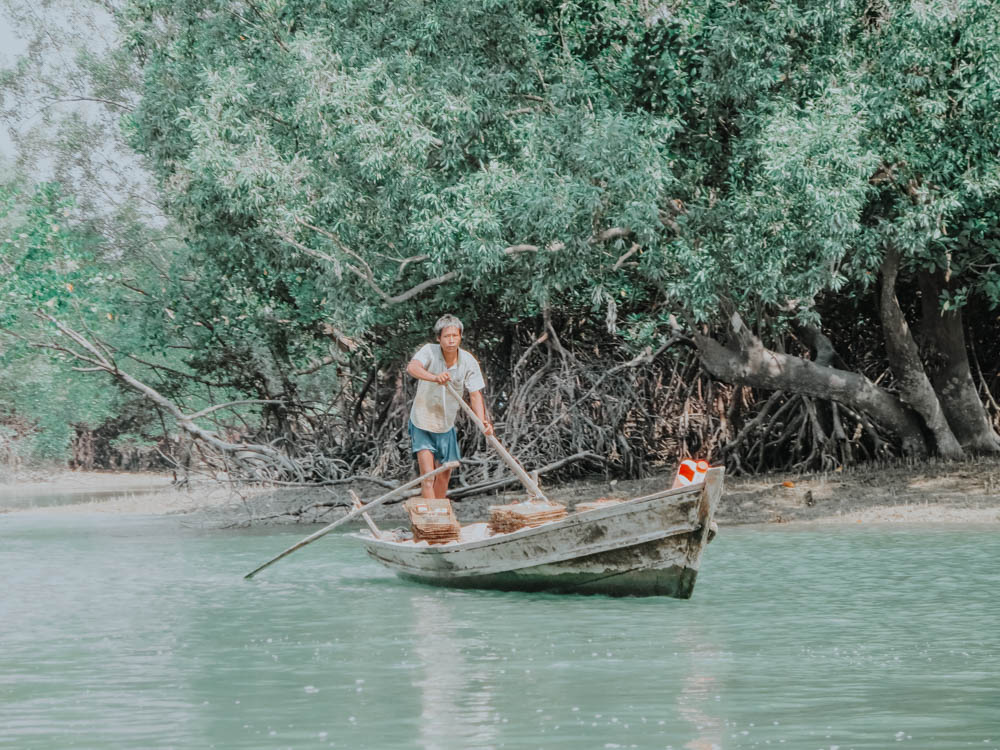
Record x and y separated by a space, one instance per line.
966 492
68 482
144 493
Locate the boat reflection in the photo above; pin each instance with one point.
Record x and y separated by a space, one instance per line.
456 699
697 695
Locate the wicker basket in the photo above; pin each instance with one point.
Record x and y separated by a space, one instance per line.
528 514
433 521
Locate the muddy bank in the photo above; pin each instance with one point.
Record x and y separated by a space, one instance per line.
143 493
55 481
927 492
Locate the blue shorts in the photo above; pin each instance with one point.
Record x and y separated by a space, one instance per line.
444 445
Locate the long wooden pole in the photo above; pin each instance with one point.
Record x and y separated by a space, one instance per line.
358 502
354 514
530 484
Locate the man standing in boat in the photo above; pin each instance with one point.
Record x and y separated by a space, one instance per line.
432 416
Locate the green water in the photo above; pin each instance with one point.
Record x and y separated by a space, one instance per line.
130 633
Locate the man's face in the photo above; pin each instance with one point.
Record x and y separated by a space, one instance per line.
450 338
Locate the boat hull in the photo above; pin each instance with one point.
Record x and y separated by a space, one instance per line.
649 546
673 580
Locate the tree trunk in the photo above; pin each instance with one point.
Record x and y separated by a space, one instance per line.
904 359
754 365
948 366
818 341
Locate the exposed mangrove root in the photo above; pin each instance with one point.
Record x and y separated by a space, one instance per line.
562 410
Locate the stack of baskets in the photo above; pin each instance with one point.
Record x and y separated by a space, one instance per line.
527 514
601 502
433 521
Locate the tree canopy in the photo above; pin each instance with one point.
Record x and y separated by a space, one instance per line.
789 195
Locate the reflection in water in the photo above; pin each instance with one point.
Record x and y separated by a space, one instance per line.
456 700
696 693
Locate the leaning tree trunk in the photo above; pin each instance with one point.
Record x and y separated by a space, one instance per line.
751 364
948 367
904 359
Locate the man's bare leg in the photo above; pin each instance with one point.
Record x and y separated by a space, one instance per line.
426 463
441 483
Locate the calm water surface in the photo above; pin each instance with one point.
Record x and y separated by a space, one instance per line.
125 632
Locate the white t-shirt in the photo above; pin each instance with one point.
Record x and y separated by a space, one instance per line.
434 409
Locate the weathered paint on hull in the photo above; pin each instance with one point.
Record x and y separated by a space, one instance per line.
649 546
674 581
658 568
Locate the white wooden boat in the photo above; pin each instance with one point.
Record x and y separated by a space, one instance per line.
646 546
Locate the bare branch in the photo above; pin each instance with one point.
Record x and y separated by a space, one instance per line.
210 409
65 350
412 259
366 274
182 374
621 261
245 451
98 100
309 251
527 352
82 342
610 234
414 291
329 360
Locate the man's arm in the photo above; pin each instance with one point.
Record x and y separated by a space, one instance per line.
479 407
417 370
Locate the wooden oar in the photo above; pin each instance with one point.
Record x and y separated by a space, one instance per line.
358 502
530 484
354 514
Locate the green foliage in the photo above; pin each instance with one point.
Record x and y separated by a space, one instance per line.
369 166
740 144
54 400
451 131
47 263
932 98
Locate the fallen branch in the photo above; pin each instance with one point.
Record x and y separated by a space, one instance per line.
99 357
